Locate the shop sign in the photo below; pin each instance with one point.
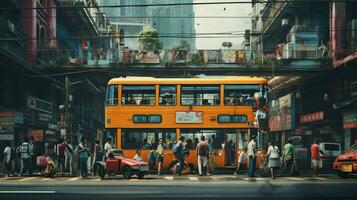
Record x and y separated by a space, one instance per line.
44 117
350 119
9 118
6 136
53 126
189 117
312 117
281 114
36 134
39 105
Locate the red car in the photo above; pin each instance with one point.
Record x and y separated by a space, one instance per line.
117 164
346 163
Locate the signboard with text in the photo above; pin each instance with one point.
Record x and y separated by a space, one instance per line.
189 117
312 117
350 119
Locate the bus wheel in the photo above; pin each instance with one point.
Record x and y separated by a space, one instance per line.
127 172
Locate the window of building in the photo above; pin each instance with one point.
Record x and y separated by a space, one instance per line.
143 95
148 138
112 95
168 95
201 95
240 95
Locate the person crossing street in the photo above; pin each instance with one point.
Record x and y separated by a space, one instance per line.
202 156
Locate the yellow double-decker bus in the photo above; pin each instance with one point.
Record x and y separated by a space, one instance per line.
142 110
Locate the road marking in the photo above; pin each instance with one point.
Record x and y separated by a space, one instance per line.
26 179
169 178
320 178
295 178
47 179
97 179
193 178
259 179
133 180
27 192
215 178
73 179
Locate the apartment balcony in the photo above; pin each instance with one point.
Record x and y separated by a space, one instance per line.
80 14
12 43
351 44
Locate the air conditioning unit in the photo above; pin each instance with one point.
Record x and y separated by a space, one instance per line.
352 30
288 51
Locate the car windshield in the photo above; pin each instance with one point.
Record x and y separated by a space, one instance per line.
332 147
353 148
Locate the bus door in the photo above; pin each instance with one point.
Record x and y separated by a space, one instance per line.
231 148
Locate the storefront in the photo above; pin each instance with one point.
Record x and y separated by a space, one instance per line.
350 126
282 118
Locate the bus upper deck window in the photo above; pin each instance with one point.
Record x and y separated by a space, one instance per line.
168 95
200 95
240 95
112 95
133 95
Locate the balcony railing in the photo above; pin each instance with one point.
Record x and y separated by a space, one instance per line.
179 58
12 42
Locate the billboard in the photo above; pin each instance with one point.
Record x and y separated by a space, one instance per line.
282 114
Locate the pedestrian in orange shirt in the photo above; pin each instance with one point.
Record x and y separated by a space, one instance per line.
315 158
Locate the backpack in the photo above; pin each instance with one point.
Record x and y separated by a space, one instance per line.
203 149
177 149
61 149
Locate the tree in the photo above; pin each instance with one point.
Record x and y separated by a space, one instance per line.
183 45
149 40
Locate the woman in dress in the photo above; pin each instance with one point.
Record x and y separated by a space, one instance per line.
274 158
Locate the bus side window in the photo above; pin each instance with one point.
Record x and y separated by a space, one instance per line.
168 95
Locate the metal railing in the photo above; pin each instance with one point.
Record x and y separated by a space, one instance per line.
171 58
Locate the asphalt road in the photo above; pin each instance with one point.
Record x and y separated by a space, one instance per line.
187 187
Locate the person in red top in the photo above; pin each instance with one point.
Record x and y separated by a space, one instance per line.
315 157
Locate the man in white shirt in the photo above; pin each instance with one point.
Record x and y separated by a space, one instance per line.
7 159
252 146
108 148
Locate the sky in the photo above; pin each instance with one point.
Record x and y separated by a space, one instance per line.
221 25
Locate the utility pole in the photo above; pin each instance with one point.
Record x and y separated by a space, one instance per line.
66 108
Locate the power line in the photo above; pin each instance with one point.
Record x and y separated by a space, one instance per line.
76 5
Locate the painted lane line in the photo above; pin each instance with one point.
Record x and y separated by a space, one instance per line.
193 178
27 192
26 179
169 178
215 178
295 178
73 179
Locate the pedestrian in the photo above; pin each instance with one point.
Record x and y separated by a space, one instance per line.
242 162
98 155
60 149
251 154
33 156
108 148
273 158
83 157
178 151
288 157
202 156
160 156
69 153
7 159
138 155
315 158
25 156
152 157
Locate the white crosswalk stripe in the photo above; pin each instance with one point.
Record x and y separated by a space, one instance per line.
193 178
295 178
73 179
27 179
169 178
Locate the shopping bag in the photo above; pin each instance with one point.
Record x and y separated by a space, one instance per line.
41 161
